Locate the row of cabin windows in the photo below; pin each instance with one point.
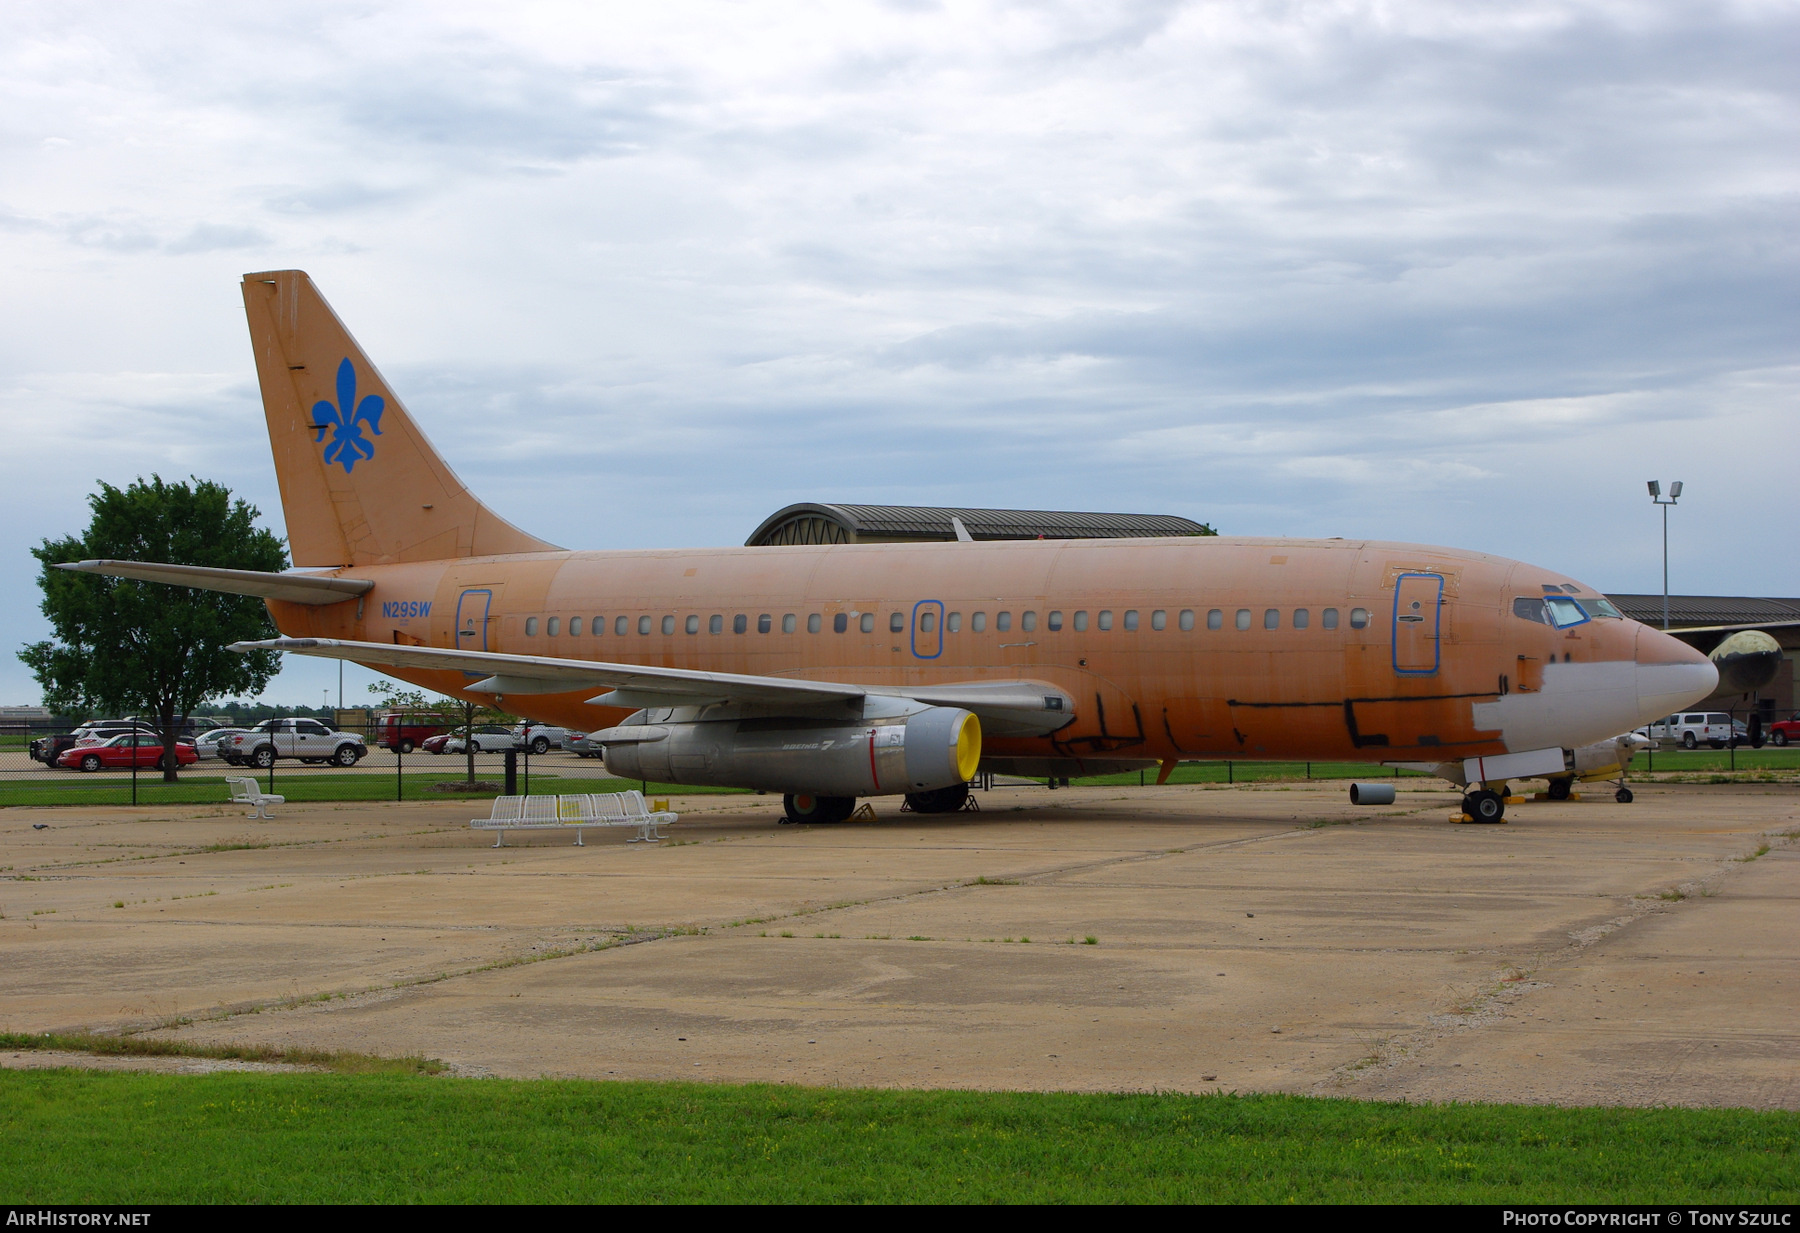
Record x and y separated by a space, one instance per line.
1128 620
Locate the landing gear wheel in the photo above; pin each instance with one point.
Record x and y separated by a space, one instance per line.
346 756
1560 789
939 800
804 807
1688 741
1623 796
263 758
1485 806
540 746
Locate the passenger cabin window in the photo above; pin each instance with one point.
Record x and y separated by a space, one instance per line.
867 623
977 622
740 623
1187 618
953 623
574 627
1054 623
668 625
1160 619
553 626
789 622
1106 618
692 624
1215 619
897 623
1531 608
814 623
1359 618
531 627
1081 621
1302 618
927 620
1329 618
764 623
1003 621
1028 622
1243 618
1131 619
1271 618
715 624
643 625
621 625
840 622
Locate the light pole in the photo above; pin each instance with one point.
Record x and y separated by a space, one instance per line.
1657 497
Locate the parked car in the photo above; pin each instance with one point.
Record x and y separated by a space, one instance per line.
305 739
488 738
581 747
49 749
209 744
405 731
1695 728
125 750
435 744
1783 731
540 738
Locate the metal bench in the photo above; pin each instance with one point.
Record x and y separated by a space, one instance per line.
576 811
245 792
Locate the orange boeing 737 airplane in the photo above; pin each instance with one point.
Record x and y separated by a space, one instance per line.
831 672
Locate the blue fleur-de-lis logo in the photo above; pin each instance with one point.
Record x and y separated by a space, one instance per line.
345 420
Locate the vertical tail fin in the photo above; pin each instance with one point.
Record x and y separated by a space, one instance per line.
360 484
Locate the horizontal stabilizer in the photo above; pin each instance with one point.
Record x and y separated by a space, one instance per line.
1016 707
293 588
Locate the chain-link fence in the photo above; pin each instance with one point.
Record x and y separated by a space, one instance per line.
126 777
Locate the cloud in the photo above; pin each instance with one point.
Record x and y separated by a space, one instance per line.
1459 273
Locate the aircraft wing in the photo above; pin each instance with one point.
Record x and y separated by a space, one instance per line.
1011 708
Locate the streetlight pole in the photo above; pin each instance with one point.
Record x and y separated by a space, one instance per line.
1657 497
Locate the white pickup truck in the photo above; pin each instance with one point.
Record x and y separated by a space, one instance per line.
305 739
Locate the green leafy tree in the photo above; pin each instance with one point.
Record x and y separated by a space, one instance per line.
145 647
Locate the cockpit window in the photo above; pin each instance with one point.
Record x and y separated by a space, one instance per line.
1604 608
1532 609
1564 611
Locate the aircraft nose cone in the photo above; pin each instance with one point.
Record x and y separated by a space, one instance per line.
1670 674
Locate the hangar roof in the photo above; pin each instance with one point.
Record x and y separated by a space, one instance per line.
814 523
1707 609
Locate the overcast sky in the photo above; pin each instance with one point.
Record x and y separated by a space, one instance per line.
1465 274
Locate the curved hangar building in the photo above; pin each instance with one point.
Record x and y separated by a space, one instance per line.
814 523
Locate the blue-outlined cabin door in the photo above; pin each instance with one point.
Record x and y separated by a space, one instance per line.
1418 604
472 620
928 629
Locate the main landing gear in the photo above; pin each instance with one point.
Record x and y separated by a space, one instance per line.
939 800
804 807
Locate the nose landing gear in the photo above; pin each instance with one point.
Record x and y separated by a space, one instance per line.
1485 806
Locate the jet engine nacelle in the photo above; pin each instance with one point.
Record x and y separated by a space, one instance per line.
936 747
1746 661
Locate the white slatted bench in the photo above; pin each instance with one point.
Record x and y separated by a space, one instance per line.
245 792
576 811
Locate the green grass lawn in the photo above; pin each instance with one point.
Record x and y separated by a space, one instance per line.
89 1137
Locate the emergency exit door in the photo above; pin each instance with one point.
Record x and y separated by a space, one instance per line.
472 619
1418 603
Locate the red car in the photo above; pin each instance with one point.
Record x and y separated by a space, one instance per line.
125 750
1785 731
